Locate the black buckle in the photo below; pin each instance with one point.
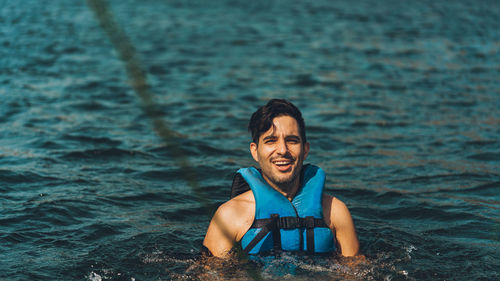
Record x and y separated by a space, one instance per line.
289 223
275 220
309 222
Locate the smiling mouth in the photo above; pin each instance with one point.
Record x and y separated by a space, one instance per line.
283 164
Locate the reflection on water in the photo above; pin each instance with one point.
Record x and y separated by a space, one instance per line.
400 101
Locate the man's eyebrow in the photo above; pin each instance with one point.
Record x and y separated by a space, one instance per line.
273 137
269 137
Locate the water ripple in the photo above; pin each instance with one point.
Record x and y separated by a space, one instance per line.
400 101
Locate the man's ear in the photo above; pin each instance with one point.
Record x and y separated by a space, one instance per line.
253 151
306 150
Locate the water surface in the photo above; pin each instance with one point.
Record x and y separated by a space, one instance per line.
400 100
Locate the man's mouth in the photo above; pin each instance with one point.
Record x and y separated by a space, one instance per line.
283 164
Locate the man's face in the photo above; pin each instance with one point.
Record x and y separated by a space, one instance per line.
280 153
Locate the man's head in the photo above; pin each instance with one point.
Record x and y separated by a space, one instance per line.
279 143
262 119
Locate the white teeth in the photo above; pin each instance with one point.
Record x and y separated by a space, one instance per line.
281 162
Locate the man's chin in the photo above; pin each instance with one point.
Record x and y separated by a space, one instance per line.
284 180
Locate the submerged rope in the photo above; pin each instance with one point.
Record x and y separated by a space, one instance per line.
138 81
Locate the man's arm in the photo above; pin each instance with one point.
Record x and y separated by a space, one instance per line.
230 222
220 236
338 217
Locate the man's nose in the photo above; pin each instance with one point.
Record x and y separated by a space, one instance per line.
282 148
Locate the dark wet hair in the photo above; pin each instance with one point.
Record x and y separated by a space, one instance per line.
262 119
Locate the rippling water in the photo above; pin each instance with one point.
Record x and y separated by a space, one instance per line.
400 99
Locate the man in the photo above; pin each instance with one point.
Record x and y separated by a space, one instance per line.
285 208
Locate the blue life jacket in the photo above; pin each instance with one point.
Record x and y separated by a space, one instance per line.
281 225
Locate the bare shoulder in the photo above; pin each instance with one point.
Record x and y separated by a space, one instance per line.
238 213
338 218
334 210
230 222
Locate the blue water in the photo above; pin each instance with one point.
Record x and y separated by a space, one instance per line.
101 179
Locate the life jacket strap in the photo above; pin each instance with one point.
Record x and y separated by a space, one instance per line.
276 233
309 221
290 222
275 223
270 225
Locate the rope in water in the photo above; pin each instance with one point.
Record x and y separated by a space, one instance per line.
139 83
138 80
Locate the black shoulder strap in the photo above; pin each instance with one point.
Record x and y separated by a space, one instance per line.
266 225
239 185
